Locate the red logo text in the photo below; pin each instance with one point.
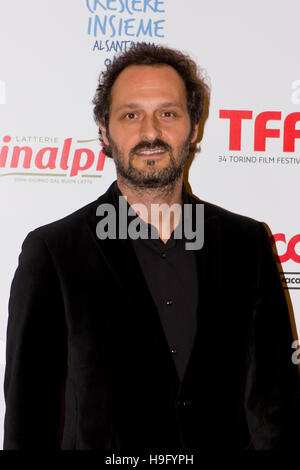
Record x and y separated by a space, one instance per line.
261 131
290 247
50 158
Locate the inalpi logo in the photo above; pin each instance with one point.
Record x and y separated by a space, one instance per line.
73 161
286 130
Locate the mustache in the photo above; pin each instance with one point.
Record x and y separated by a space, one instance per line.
146 145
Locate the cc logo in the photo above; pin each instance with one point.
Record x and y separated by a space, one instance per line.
291 248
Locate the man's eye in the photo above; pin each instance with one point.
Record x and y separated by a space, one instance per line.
168 114
130 116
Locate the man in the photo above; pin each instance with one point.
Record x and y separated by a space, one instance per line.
122 342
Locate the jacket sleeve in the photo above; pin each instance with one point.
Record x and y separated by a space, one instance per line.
272 397
35 352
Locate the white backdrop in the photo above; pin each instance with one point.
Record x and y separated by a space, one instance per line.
51 53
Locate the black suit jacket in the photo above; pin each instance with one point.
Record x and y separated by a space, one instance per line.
88 365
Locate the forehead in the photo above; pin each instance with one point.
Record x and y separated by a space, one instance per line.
139 83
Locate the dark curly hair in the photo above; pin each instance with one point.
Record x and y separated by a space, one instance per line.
149 54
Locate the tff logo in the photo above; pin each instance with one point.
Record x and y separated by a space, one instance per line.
290 251
261 131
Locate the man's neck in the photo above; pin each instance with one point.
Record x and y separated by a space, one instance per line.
149 200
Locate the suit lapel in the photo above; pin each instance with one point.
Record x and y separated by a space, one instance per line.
209 269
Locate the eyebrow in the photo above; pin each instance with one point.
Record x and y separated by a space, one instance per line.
139 105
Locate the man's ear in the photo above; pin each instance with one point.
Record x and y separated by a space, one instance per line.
103 133
195 133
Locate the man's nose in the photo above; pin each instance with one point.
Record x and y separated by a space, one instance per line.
150 129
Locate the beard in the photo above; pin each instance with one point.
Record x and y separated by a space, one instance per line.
151 177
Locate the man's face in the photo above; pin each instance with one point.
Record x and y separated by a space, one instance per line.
149 125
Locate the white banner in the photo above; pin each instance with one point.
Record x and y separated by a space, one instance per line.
51 163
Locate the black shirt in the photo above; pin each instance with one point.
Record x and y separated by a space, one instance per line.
171 274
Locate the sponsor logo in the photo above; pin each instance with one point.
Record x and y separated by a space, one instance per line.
47 156
291 279
290 248
261 159
115 25
238 118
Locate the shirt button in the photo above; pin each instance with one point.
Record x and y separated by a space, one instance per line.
173 350
163 255
187 403
184 403
169 302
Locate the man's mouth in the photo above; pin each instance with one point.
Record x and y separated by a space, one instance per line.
151 152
